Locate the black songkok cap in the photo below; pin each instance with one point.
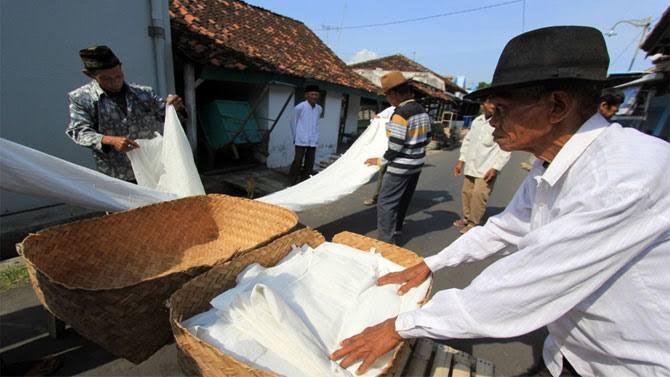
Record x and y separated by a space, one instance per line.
98 57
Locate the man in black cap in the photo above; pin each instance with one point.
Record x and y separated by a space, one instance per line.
108 114
305 128
610 100
586 238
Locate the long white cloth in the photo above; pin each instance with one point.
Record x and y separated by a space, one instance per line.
291 317
26 171
163 166
165 170
165 163
341 178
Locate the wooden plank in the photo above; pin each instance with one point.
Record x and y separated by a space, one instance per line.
441 362
189 102
401 359
460 370
420 358
484 368
462 357
55 326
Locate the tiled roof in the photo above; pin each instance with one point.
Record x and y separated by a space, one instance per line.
402 63
235 35
430 91
396 62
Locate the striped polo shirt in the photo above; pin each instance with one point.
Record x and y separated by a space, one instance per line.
409 133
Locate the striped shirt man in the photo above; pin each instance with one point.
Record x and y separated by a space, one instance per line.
408 132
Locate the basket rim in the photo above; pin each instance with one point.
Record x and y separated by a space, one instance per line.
20 246
175 321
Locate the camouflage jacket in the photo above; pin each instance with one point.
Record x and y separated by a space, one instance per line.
94 114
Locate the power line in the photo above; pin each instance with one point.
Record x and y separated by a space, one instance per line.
471 10
628 45
624 50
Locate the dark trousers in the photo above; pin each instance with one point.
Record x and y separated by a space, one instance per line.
303 163
394 198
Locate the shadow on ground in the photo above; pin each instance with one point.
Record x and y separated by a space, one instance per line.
24 336
365 220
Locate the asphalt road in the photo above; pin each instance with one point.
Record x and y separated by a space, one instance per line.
436 204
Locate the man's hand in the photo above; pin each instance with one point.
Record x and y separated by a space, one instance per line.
369 345
375 161
490 175
409 277
175 101
120 143
458 169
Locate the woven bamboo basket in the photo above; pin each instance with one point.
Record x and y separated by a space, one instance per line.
110 277
198 358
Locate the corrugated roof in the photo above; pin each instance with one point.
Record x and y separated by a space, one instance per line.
235 35
659 35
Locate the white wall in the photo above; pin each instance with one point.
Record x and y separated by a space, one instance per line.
40 64
351 125
329 126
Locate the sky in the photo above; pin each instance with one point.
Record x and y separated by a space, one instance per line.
462 43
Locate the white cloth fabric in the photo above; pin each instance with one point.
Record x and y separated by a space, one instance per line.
166 163
479 152
291 317
305 124
342 177
26 171
589 244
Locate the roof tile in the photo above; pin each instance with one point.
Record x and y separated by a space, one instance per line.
236 35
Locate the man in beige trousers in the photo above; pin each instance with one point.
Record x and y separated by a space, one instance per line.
483 159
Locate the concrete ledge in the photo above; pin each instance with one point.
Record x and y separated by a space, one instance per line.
15 227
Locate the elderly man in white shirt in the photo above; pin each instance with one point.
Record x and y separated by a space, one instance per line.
483 159
305 129
586 236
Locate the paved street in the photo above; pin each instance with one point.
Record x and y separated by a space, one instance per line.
428 228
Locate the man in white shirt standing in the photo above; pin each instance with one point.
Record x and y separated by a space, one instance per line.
305 128
586 237
483 159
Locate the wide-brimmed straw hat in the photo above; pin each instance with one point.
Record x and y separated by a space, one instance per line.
392 79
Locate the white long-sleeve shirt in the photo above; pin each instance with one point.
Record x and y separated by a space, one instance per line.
589 250
478 150
305 124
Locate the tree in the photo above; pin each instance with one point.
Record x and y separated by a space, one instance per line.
482 85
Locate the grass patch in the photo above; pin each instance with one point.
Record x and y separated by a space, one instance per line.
12 276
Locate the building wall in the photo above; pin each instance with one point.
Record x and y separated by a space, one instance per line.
351 125
40 64
329 126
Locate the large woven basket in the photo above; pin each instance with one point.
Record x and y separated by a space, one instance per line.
198 358
110 277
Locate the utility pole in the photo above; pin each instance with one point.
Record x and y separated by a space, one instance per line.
643 23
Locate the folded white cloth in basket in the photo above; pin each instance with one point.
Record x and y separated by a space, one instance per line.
291 317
